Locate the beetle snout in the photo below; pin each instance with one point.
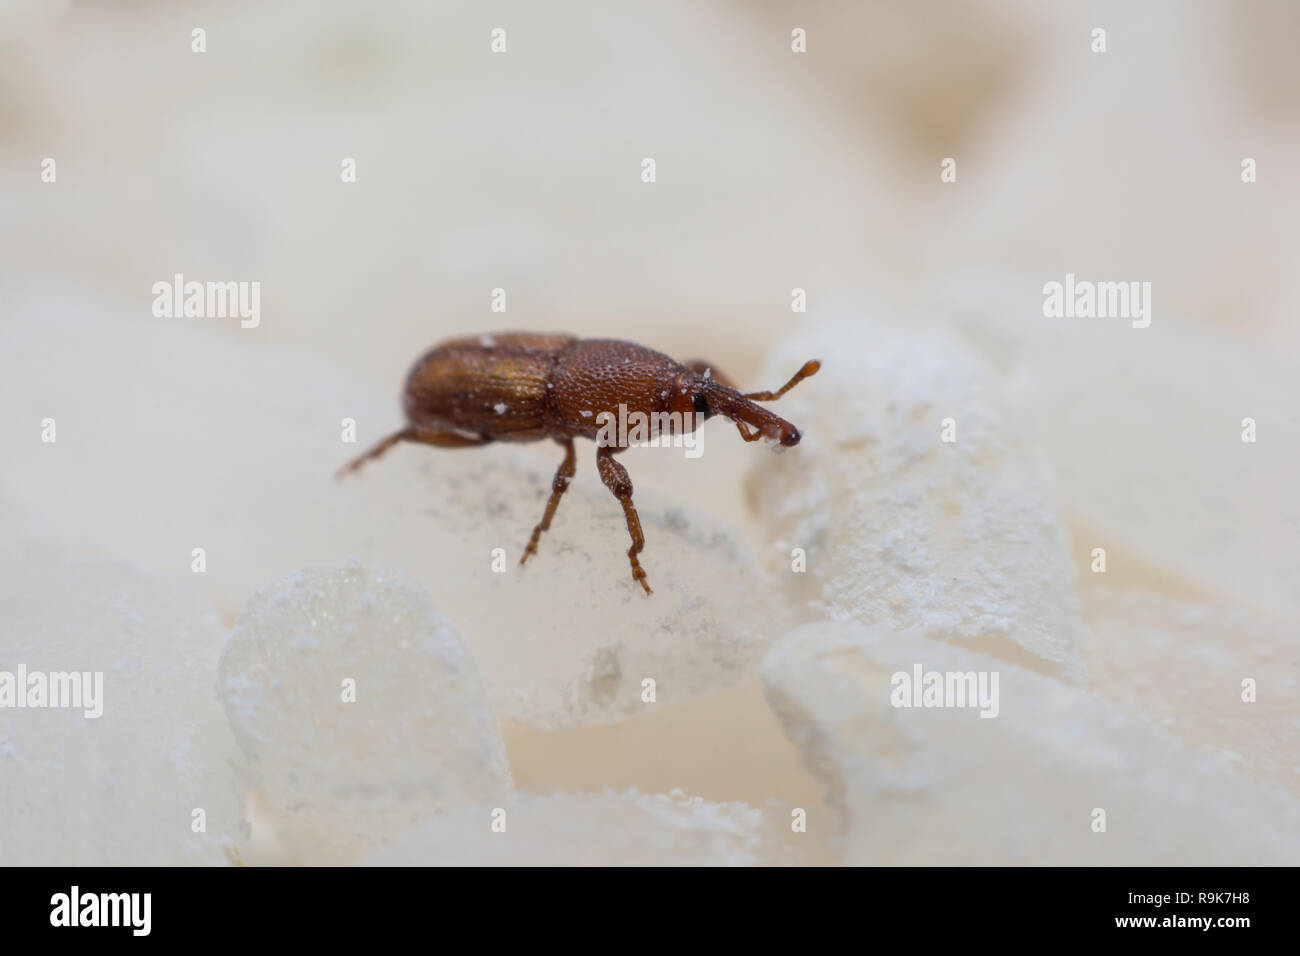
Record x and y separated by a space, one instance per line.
782 434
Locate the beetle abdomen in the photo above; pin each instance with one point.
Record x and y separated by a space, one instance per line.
493 386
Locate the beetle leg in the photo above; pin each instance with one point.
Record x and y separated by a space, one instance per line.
755 435
412 433
616 479
563 475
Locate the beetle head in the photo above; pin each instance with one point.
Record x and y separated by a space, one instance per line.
709 397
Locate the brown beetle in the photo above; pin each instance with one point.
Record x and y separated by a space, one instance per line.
521 386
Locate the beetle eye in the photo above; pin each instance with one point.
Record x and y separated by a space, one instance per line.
702 406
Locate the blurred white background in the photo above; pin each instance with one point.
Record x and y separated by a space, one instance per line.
775 170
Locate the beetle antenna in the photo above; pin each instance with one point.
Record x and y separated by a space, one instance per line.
809 369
